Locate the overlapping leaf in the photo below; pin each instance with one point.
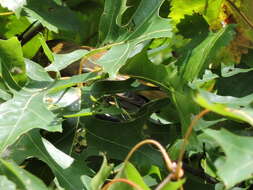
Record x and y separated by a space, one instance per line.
50 15
66 169
204 52
238 163
145 24
237 108
23 179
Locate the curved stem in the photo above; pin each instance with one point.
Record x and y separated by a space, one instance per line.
106 187
166 157
185 141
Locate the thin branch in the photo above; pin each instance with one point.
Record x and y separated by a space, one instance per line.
168 162
106 187
185 141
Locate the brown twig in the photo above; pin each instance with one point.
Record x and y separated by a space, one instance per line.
106 187
185 141
168 162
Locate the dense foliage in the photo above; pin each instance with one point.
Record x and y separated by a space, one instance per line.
126 94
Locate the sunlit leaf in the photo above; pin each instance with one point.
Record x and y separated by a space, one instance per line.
22 113
237 108
144 25
131 173
238 162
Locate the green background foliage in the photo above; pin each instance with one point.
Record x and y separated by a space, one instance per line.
82 82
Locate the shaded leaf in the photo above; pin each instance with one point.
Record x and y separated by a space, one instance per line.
23 179
66 169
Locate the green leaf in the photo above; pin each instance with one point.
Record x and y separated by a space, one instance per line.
145 24
141 67
118 143
61 84
210 9
104 172
61 61
49 14
7 184
36 72
100 88
238 162
174 185
46 49
23 179
230 70
237 108
13 60
131 173
22 113
67 171
202 55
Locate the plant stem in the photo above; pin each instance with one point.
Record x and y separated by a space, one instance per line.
170 166
106 187
185 141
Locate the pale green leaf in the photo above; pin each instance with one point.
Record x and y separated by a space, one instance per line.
7 184
238 163
61 61
237 108
22 113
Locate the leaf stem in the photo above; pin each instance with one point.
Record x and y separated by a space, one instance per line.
106 187
170 166
185 141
